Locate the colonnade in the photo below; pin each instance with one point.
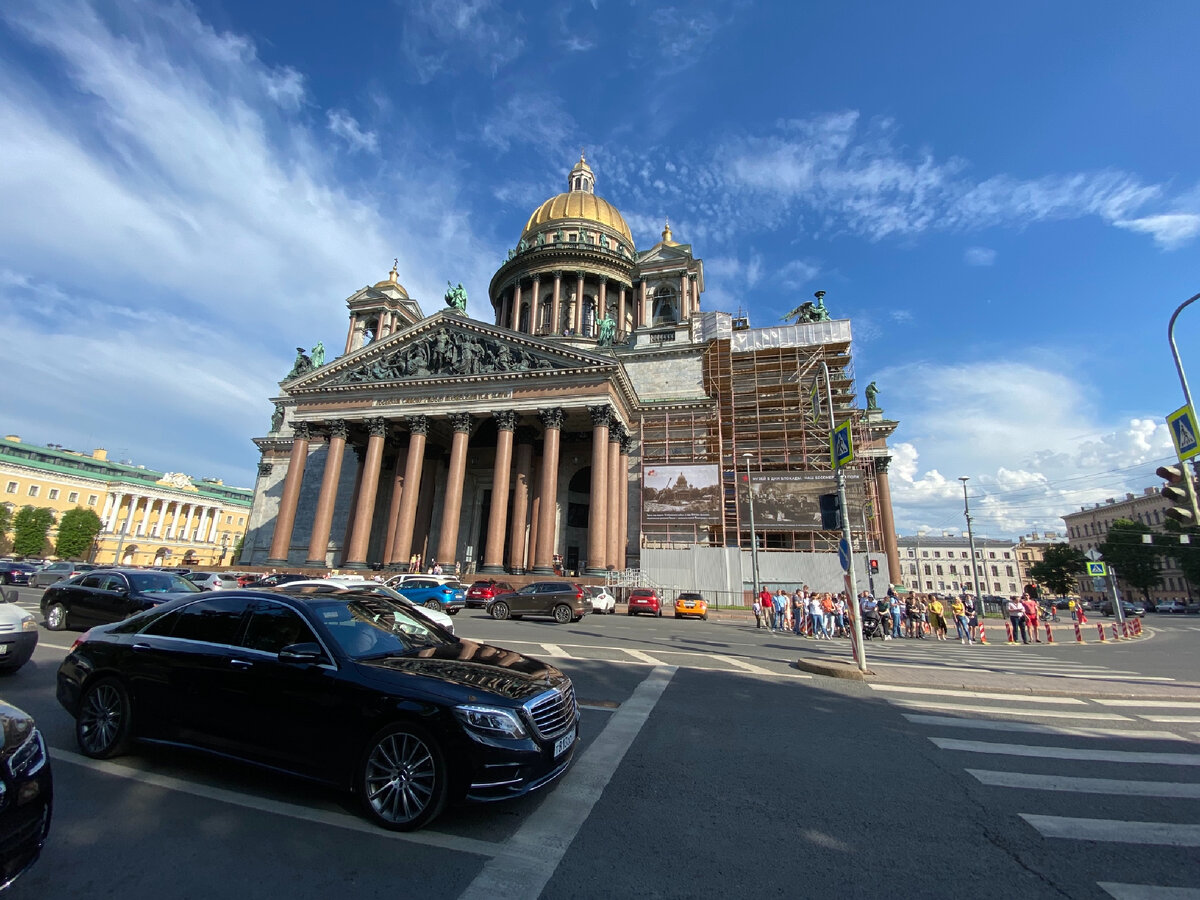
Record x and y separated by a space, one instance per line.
530 533
178 520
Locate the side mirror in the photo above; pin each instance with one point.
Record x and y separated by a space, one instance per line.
301 653
10 596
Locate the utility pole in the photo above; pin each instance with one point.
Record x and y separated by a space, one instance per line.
753 536
1187 398
971 543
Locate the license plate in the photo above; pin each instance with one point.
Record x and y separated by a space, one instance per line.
3 649
563 744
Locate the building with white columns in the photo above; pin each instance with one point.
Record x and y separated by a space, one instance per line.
603 421
147 517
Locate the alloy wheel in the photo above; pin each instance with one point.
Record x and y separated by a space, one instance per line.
103 723
402 780
562 614
499 610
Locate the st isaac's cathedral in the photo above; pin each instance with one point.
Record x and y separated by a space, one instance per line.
604 421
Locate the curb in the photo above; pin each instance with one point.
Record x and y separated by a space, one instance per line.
834 669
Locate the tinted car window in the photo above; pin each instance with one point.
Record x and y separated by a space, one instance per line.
160 583
367 625
212 621
115 583
272 627
92 581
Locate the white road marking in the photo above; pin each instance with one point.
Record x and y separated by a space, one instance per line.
742 664
1148 891
1168 834
1009 711
974 695
545 836
555 650
1163 704
1111 756
1034 728
53 646
640 656
1185 720
1120 787
1118 677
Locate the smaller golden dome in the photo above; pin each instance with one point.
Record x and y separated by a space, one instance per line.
582 165
393 280
666 234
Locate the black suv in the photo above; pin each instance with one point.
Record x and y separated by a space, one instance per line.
565 601
109 595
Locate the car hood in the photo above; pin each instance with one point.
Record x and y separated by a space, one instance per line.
474 670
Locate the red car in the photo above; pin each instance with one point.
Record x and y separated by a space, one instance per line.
479 593
645 600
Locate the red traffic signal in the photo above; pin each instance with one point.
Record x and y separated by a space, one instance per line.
1175 493
874 567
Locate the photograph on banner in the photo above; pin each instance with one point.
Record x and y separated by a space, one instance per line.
681 492
798 501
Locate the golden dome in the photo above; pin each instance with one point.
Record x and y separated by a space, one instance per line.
393 280
578 205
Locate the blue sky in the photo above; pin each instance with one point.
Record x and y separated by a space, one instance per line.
1006 202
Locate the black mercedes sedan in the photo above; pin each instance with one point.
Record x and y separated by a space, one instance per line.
109 595
26 793
350 689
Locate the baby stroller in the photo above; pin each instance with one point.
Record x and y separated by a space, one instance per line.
872 626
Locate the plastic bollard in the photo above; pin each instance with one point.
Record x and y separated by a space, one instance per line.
1008 630
1079 635
1116 636
1100 628
1049 634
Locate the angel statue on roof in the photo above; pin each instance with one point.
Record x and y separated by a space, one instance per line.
456 297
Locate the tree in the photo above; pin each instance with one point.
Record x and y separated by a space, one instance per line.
30 528
1186 555
237 549
76 532
1059 568
6 518
1135 559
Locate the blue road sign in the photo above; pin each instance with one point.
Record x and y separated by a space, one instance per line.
841 445
844 554
1097 569
1182 423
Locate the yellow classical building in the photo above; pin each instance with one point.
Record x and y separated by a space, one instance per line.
147 517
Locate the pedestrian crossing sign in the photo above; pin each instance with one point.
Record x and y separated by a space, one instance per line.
1182 423
1097 569
841 445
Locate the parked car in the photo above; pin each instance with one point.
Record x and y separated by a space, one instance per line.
248 578
330 585
15 572
1130 609
479 593
396 580
1171 606
212 581
431 593
18 638
26 793
561 599
410 717
57 571
690 603
277 578
109 595
644 600
602 600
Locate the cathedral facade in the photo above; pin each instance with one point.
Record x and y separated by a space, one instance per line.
602 421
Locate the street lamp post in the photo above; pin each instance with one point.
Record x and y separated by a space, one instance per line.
753 536
1187 398
971 543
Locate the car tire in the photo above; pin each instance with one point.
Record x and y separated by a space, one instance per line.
660 612
402 781
500 610
452 612
678 616
563 614
56 617
102 727
629 612
432 604
704 618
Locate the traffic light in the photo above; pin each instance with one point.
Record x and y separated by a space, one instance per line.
1174 493
874 567
831 520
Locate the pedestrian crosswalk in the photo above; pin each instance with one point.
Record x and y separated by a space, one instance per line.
1030 754
1065 661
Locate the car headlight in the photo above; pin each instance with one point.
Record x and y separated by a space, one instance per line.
29 623
491 721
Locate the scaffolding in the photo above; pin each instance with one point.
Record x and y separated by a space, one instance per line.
768 400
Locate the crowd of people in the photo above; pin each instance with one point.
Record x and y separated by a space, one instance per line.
823 615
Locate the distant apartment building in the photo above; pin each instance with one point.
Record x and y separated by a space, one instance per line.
942 565
1088 528
1031 549
147 517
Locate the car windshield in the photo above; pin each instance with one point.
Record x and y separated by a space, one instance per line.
369 626
160 583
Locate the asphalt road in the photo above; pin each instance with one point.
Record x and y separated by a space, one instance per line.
709 768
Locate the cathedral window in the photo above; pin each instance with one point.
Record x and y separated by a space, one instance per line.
665 311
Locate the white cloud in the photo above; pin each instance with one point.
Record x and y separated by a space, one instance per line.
447 36
347 128
1169 231
979 256
1028 436
797 274
285 86
537 119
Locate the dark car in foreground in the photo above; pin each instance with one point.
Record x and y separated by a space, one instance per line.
564 601
346 688
109 595
26 793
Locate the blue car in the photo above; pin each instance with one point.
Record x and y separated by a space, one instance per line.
433 593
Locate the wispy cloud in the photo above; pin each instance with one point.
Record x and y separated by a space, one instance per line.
1170 230
447 36
979 256
347 128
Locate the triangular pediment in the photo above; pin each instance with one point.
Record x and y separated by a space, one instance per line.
664 253
448 346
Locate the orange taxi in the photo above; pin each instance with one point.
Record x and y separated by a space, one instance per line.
690 603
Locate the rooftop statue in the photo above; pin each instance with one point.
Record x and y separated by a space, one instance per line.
277 418
608 330
872 396
318 355
807 312
301 365
456 297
